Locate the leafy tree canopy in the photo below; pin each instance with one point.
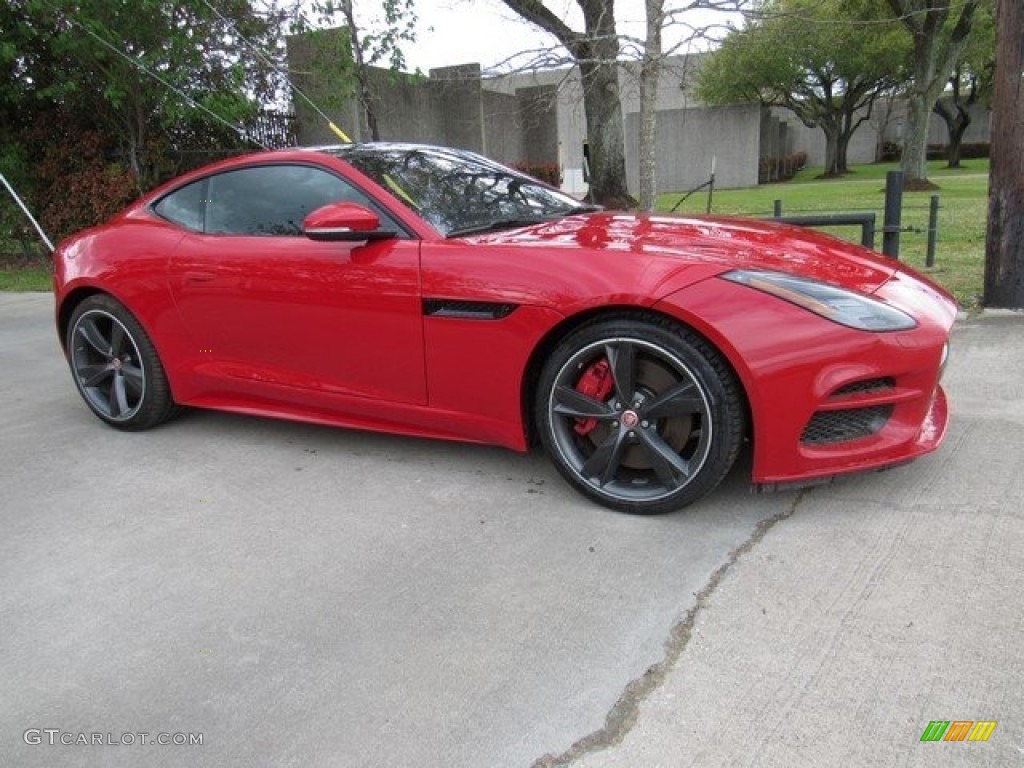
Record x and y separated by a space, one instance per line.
825 61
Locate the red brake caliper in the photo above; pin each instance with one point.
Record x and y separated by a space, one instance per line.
596 382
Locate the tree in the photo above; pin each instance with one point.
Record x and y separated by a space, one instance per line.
664 20
816 59
367 44
971 82
650 73
139 70
106 98
595 51
938 30
1004 244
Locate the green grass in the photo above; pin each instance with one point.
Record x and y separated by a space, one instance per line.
963 201
33 278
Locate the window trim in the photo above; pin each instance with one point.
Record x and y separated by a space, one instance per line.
402 231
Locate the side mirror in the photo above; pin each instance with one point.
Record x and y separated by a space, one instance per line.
343 221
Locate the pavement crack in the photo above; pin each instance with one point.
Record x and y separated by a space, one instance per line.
624 713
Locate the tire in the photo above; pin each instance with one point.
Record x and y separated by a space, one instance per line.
115 366
640 415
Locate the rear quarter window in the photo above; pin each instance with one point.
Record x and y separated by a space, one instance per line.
184 206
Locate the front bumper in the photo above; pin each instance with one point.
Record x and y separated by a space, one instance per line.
824 399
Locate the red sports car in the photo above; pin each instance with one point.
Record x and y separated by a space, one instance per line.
429 291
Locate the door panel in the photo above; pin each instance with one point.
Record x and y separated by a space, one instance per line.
335 317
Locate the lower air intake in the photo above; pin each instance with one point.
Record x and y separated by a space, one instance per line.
829 427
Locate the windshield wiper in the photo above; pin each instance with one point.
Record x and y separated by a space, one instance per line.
491 226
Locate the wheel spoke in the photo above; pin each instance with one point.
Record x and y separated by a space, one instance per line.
668 465
92 375
605 459
117 339
574 404
681 400
133 372
87 327
118 396
622 360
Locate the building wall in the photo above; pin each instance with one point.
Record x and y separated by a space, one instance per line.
538 117
886 124
406 113
457 94
538 131
862 147
502 133
688 140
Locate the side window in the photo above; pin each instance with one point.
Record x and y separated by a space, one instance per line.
185 206
274 199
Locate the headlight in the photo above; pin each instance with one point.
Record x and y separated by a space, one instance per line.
837 304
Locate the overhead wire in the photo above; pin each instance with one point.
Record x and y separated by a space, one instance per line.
25 210
191 102
270 63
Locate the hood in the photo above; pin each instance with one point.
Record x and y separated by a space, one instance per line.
733 243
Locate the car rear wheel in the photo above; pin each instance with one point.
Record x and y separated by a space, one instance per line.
642 416
115 366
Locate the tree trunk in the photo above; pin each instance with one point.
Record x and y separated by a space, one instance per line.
956 139
605 134
934 58
650 72
957 119
1004 244
362 72
596 52
842 144
915 139
831 132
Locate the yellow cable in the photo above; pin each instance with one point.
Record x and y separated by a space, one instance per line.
338 132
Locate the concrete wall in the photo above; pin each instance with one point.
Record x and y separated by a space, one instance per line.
538 117
674 93
311 64
688 139
886 124
978 132
457 94
534 117
502 127
405 109
862 147
539 131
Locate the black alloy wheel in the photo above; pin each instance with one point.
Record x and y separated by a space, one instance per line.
642 416
115 366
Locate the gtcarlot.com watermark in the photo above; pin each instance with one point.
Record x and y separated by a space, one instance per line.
57 737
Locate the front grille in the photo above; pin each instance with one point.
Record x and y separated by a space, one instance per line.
873 386
828 427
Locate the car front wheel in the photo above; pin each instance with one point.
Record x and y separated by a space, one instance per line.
115 366
642 416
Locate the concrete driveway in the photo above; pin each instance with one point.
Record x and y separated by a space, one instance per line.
293 595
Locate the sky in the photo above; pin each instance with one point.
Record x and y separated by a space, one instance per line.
488 33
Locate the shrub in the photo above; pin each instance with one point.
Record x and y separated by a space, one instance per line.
967 151
891 152
780 168
79 185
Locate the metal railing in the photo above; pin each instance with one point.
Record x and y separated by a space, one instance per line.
892 215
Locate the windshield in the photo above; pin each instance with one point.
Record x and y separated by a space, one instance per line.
458 192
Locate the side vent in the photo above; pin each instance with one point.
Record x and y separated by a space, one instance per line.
467 310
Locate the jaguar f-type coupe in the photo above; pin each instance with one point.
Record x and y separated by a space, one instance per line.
432 292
